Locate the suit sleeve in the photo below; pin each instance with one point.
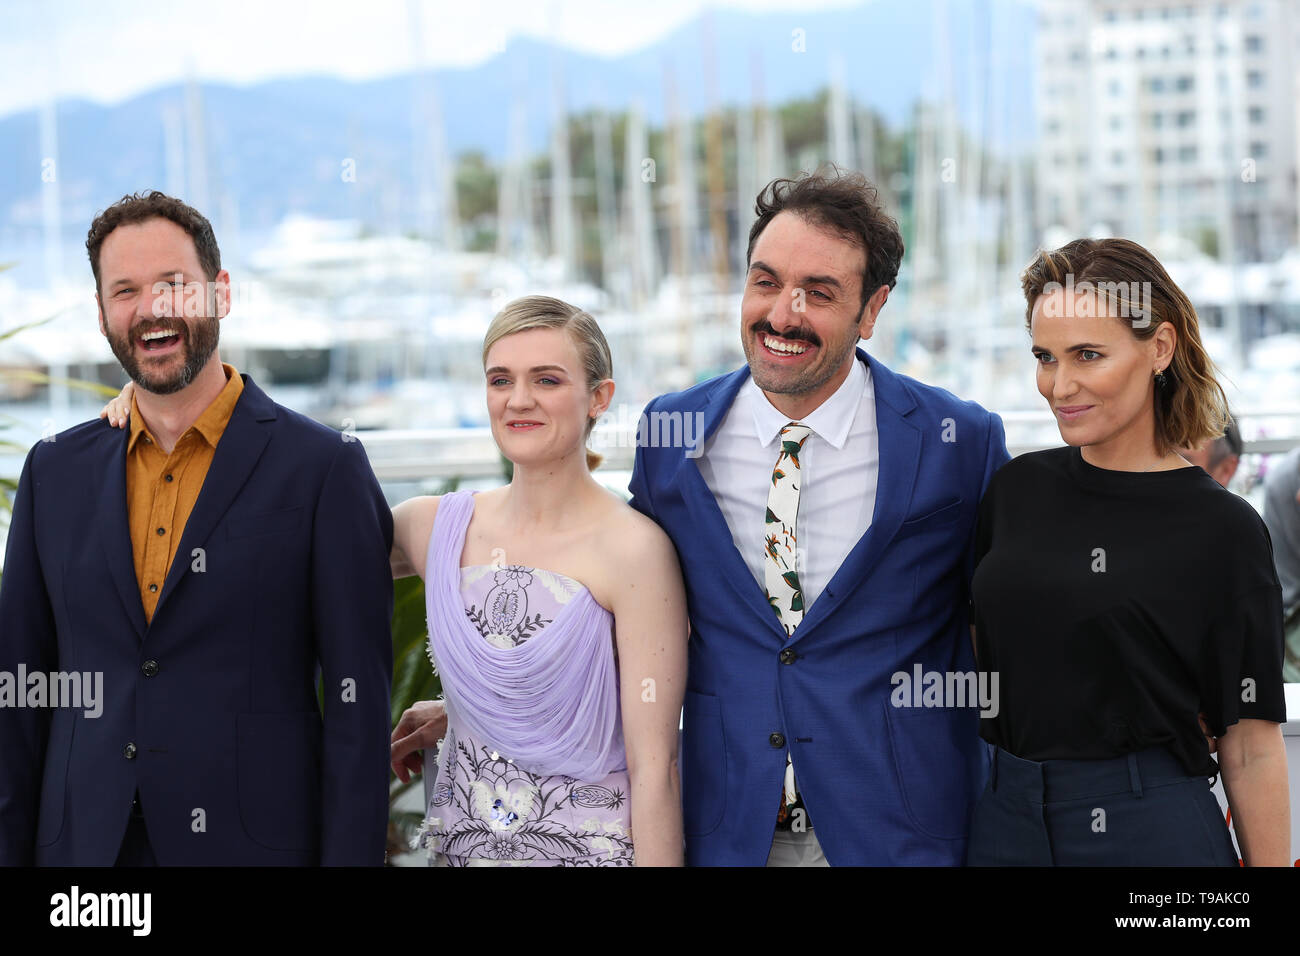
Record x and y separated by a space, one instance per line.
639 485
995 456
352 602
27 637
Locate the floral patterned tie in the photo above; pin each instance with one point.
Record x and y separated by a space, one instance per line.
780 542
781 566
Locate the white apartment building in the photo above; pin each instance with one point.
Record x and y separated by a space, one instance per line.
1159 117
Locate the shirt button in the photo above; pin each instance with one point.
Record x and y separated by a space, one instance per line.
777 740
149 668
129 751
788 656
153 589
169 477
162 531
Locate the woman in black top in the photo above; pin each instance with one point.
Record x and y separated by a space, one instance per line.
1119 592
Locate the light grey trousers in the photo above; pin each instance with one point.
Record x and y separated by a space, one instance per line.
796 849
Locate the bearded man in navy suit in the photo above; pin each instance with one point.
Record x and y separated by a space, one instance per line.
205 563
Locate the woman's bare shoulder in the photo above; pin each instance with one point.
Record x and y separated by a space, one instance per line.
626 531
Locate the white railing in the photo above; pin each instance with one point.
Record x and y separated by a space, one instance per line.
470 453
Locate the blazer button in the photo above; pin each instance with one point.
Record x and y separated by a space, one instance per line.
788 656
149 668
777 740
129 751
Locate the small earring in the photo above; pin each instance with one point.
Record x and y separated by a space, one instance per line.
1160 378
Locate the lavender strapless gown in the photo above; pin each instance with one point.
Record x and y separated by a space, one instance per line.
507 793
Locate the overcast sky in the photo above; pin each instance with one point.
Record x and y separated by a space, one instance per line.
109 50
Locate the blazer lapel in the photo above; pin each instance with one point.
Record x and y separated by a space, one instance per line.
115 537
899 443
710 525
238 451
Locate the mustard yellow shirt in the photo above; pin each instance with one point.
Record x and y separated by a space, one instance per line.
161 489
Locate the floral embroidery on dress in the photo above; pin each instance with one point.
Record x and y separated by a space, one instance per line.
589 796
428 836
491 812
504 619
441 788
504 813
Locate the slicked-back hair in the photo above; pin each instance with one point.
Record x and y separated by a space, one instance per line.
545 312
141 207
1191 406
842 202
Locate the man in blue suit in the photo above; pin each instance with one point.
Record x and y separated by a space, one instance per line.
825 527
203 565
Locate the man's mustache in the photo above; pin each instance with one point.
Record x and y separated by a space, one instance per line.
794 335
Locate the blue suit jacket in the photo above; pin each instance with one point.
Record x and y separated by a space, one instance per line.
282 566
882 785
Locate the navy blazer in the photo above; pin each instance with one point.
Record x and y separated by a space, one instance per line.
210 711
882 784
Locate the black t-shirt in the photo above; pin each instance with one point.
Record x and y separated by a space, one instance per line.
1114 606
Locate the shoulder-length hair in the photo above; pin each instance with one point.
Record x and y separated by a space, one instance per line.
1190 406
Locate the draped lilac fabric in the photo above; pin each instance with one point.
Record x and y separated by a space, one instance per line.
549 704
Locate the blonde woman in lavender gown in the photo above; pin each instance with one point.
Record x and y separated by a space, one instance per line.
557 624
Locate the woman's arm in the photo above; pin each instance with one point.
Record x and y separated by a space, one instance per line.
424 723
1252 760
412 526
397 562
650 627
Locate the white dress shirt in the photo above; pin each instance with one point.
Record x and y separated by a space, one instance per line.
840 461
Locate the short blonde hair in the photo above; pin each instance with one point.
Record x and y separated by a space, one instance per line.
545 312
1191 406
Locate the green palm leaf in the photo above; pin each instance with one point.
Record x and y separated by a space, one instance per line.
10 333
40 378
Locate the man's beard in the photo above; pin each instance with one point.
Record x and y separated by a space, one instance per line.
779 383
198 341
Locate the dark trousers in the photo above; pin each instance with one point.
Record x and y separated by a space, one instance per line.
1139 810
136 850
